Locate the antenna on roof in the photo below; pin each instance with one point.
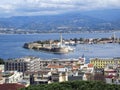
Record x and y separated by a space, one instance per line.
83 56
61 38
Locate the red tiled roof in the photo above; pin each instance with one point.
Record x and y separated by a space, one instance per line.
90 65
42 71
75 67
55 66
11 86
111 71
110 76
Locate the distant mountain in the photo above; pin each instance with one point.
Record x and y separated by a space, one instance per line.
90 20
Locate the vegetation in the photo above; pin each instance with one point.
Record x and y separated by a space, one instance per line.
75 85
1 61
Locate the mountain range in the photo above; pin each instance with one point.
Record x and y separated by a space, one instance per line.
82 20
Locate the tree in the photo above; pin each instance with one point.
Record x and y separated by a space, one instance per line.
75 85
1 61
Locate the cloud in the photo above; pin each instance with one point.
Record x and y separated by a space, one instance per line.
41 7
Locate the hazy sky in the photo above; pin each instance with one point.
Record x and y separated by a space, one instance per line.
41 7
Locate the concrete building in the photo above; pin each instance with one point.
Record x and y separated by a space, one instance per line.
110 73
12 76
59 76
88 70
79 61
36 64
1 77
2 68
37 71
23 64
99 74
75 74
57 68
102 62
39 77
2 80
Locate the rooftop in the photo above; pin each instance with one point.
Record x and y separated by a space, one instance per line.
29 58
55 66
23 59
90 65
11 86
105 59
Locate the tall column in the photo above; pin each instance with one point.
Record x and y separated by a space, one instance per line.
61 39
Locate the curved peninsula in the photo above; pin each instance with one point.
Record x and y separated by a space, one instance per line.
63 46
49 46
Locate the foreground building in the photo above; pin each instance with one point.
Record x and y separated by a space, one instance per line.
39 77
99 74
12 76
2 80
112 74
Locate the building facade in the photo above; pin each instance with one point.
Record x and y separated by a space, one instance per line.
12 76
0 76
22 64
102 62
39 77
111 74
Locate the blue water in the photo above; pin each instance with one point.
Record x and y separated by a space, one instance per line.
11 46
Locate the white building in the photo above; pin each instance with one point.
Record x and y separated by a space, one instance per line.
2 68
2 80
88 70
12 76
111 73
23 64
59 76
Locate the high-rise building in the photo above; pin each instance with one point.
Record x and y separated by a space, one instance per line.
23 64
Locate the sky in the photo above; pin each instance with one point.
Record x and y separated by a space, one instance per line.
50 7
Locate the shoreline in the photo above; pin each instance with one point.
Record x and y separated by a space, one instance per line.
62 33
18 51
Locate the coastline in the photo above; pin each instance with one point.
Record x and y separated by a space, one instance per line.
17 41
79 32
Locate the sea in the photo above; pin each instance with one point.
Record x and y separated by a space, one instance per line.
11 46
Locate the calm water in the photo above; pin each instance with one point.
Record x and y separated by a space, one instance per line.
11 46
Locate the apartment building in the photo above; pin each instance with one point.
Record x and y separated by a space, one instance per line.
12 76
111 73
102 62
59 76
23 64
39 77
2 80
0 76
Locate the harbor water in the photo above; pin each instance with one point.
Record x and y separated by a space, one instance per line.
11 46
